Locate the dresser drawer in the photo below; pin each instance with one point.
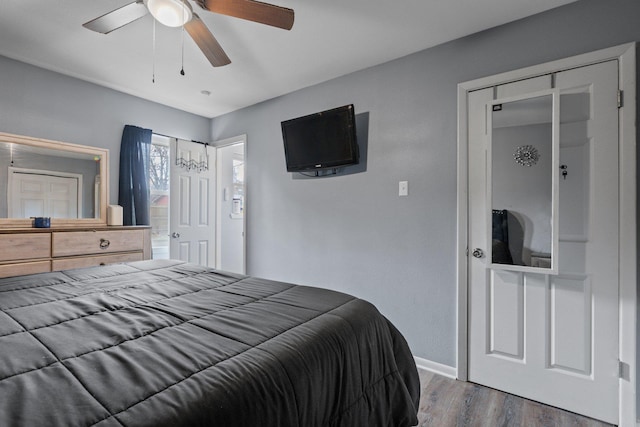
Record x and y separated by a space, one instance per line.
92 261
19 269
24 246
96 242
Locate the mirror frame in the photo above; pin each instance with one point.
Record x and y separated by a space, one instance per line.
555 164
74 148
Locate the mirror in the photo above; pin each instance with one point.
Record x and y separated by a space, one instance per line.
38 177
523 182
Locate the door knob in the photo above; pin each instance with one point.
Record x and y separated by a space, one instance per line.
175 235
478 253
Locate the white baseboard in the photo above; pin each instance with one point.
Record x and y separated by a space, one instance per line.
436 368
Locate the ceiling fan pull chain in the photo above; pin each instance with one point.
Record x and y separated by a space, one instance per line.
153 60
183 19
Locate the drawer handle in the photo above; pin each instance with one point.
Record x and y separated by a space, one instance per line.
104 243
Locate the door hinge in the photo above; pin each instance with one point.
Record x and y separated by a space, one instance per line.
620 99
624 370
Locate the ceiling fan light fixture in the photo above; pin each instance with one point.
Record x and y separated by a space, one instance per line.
179 13
172 13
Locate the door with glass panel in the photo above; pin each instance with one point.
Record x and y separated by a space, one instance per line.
543 239
159 178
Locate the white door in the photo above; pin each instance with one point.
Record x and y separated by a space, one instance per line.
192 203
35 193
231 208
546 328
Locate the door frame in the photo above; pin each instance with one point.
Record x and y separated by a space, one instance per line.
240 139
626 55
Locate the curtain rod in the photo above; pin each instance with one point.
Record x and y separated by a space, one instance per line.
175 137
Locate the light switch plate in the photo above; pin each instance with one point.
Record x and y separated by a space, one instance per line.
403 188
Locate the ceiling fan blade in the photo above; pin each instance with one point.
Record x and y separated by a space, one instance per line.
206 42
117 18
263 13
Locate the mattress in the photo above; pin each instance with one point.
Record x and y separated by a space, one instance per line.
167 343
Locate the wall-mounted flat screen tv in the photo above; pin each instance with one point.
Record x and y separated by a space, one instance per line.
323 140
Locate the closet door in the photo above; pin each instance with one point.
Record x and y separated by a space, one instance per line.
543 239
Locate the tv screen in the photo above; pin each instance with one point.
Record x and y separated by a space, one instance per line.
322 140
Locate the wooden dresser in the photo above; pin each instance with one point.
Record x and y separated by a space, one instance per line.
39 250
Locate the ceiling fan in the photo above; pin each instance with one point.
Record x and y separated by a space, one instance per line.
174 13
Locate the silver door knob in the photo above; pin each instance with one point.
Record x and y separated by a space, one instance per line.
175 235
478 253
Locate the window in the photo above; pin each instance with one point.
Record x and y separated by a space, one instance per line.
237 209
159 189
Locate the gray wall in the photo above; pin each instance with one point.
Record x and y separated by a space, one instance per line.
43 104
353 233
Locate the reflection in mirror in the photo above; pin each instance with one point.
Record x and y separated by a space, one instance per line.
50 183
42 178
522 147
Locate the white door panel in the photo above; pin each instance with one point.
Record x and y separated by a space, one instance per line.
192 209
506 307
553 337
44 193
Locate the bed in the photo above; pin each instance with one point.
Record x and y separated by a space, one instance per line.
167 343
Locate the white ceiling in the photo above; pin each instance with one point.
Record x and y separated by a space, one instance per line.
329 38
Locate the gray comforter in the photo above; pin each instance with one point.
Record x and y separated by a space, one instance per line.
166 343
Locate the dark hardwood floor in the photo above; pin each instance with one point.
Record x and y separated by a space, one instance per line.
445 402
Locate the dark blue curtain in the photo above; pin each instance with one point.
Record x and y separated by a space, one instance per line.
134 175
